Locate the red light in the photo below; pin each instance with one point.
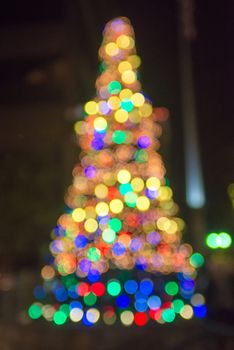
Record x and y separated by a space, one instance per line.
166 305
112 192
140 319
83 288
98 289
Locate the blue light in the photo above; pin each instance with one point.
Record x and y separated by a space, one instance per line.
85 265
154 302
118 248
97 144
39 293
200 311
93 275
61 294
141 305
76 304
81 241
146 286
123 301
130 286
86 321
72 291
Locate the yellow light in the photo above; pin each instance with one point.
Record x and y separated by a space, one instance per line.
47 272
124 176
134 116
101 191
127 317
137 184
128 77
123 66
125 93
109 179
102 209
187 312
116 206
114 102
100 124
153 183
145 110
91 225
123 41
135 61
143 203
78 215
172 228
91 108
112 49
165 193
79 127
76 314
138 99
90 212
121 116
163 223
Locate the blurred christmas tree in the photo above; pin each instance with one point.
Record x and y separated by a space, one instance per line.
117 251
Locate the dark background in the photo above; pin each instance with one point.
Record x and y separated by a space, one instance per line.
48 67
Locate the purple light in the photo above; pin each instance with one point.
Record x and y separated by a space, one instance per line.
85 265
151 194
143 142
135 245
118 249
90 171
153 238
81 241
97 144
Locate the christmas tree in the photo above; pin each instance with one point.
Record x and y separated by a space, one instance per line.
116 252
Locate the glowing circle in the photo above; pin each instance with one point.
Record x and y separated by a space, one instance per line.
76 314
138 99
35 311
93 254
112 49
143 203
123 66
91 107
171 288
121 116
187 312
114 102
59 317
127 318
145 110
119 137
78 215
137 184
102 209
93 315
100 124
168 315
114 87
225 240
91 225
128 77
113 287
123 41
123 176
101 191
153 183
109 235
116 206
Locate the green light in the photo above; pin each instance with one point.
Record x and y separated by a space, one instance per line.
34 311
168 315
113 287
108 235
93 254
196 260
125 188
114 87
141 156
59 318
211 240
127 105
130 199
90 299
224 240
171 288
115 224
65 308
119 137
177 305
